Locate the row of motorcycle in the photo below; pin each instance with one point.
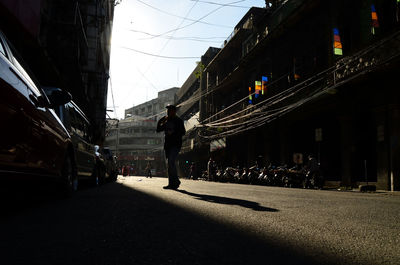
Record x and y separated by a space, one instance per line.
295 177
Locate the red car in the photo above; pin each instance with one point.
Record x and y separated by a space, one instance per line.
33 142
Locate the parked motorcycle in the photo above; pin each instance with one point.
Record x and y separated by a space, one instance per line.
244 177
295 177
253 174
280 177
313 179
237 175
218 175
229 174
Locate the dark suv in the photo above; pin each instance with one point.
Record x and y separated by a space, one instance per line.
107 164
33 141
78 126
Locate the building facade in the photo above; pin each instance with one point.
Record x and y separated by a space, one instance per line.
154 108
298 77
189 97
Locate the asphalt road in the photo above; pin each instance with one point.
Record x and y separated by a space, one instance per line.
135 221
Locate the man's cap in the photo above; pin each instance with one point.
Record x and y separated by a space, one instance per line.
170 106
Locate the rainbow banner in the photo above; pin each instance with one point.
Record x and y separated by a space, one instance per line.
337 44
264 81
250 96
374 17
258 88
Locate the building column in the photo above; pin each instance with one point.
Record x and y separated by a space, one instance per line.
348 148
382 149
394 146
284 142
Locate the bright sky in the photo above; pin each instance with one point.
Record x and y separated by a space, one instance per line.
149 26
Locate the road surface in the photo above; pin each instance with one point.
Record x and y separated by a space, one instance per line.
135 221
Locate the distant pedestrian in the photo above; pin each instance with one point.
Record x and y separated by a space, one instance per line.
211 169
173 129
192 174
148 170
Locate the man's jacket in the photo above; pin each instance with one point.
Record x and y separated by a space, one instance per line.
173 129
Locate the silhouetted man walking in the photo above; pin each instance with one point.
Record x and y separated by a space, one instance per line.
173 129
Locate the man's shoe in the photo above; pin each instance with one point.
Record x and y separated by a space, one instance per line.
170 187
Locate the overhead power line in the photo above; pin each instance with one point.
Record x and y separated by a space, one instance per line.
219 4
156 56
169 37
261 113
195 21
112 96
160 56
184 18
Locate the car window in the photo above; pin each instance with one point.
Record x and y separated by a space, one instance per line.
10 75
79 125
23 68
27 77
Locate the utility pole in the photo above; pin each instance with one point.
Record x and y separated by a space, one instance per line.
117 142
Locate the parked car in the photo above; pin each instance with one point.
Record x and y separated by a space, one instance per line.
79 127
33 141
107 163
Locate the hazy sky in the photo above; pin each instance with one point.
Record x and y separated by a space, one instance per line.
152 27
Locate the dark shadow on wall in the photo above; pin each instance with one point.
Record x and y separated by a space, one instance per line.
229 201
116 224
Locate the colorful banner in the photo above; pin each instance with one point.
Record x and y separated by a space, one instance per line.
258 88
337 44
374 17
264 81
250 96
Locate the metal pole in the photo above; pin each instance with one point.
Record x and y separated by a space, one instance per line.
117 142
365 170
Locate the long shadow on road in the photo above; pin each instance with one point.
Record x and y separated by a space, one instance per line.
229 201
115 224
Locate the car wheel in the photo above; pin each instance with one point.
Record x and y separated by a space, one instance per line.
69 177
114 177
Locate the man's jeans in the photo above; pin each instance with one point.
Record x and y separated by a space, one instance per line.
171 154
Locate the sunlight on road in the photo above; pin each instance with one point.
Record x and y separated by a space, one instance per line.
293 218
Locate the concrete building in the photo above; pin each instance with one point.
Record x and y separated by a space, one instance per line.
188 101
134 139
66 44
135 142
330 70
154 108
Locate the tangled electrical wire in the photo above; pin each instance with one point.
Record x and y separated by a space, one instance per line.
276 106
270 109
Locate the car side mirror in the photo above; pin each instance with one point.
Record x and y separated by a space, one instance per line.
39 101
59 97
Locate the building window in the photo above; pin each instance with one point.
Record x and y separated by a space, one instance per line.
110 143
151 141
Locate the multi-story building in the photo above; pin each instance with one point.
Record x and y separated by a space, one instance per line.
66 44
188 101
135 142
134 139
311 77
154 108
